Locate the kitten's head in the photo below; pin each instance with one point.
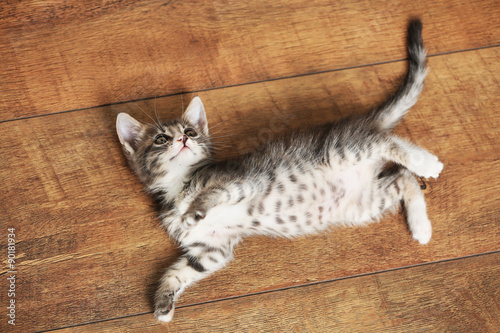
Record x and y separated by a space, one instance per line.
167 153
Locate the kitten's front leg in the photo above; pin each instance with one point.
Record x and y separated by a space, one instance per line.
198 209
199 261
214 196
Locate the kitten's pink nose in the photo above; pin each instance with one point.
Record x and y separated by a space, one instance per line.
183 138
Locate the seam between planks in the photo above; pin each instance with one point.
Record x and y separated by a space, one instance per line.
250 83
284 288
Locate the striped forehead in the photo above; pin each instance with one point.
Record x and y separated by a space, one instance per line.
169 128
173 127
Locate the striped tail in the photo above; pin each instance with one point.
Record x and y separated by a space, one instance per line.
387 116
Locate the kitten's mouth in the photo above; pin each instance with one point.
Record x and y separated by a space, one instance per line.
185 148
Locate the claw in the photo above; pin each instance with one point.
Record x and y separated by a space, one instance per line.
165 308
199 216
190 218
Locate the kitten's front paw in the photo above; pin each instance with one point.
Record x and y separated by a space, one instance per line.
425 164
164 307
193 216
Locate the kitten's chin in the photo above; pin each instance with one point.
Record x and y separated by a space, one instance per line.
185 151
186 157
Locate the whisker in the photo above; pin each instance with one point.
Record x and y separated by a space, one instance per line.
221 122
221 136
156 125
225 130
222 146
145 122
182 104
213 143
220 142
156 114
220 149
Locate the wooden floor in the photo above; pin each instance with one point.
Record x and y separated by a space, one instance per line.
89 248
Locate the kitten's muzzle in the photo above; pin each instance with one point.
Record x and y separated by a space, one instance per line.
183 139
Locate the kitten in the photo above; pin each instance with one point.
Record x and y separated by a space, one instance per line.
335 174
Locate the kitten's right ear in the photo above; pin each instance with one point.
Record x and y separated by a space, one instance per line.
195 114
129 131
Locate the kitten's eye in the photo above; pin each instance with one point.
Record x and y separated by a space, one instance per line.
190 132
161 139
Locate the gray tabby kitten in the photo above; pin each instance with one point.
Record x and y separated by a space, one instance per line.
331 175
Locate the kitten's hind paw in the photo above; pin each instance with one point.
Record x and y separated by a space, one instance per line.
164 308
433 169
422 231
192 217
425 164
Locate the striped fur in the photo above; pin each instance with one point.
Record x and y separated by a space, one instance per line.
344 173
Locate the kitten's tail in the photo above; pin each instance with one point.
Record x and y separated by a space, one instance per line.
394 109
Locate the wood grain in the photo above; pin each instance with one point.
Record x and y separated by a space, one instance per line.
456 296
59 56
90 247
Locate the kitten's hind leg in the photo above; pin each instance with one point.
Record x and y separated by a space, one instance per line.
415 208
414 158
396 184
198 262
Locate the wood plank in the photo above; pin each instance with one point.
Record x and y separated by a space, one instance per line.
456 296
81 216
64 56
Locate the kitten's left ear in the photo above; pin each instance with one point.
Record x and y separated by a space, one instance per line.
129 131
195 114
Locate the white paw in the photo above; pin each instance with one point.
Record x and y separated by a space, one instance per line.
422 231
425 164
192 218
165 306
167 317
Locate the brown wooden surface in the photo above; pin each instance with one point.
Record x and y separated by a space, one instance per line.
90 248
456 296
58 56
